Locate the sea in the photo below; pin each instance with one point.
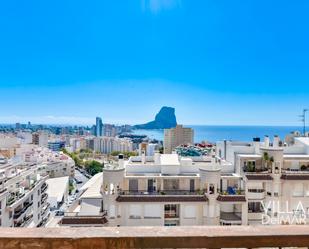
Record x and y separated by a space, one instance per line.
213 133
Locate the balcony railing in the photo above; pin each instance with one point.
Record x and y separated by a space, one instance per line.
44 187
232 191
3 190
44 198
18 213
156 237
163 192
255 169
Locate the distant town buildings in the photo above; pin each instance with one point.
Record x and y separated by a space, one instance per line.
110 130
177 136
56 145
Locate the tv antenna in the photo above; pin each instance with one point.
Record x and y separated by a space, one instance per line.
303 119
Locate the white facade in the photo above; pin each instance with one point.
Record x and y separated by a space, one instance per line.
106 145
244 184
23 196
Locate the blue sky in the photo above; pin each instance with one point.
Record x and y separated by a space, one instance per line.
216 62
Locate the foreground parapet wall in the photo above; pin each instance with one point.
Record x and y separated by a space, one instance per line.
154 237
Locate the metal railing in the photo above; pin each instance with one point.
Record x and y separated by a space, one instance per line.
235 192
18 213
162 192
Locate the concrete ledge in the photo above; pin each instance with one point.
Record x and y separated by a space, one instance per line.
154 237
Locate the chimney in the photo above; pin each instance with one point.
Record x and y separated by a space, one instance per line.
276 141
157 157
266 141
121 161
143 157
256 144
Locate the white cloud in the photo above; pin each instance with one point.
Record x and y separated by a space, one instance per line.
156 6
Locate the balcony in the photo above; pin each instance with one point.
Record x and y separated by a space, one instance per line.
74 219
18 213
231 195
232 218
165 196
44 187
44 198
24 222
163 192
295 175
3 190
156 237
22 194
256 194
256 216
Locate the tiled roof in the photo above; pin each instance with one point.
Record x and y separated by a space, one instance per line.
295 177
86 220
162 198
231 198
261 177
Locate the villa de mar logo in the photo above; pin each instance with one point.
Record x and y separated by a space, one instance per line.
278 213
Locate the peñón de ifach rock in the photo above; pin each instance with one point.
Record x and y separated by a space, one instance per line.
165 119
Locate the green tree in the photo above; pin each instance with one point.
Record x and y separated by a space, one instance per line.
93 167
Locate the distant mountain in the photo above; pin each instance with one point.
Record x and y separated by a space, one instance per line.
165 119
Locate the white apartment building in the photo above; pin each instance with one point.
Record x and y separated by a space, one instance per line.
176 136
23 198
55 164
8 145
148 148
107 145
40 138
245 183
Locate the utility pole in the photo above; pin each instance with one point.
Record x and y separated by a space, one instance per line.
303 119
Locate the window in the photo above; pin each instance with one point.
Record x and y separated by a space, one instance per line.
192 183
211 189
171 184
255 207
171 211
133 185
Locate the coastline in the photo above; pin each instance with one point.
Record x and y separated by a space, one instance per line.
213 133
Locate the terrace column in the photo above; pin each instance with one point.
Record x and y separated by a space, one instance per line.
244 213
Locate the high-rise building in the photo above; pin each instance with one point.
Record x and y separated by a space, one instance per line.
176 136
99 127
40 138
